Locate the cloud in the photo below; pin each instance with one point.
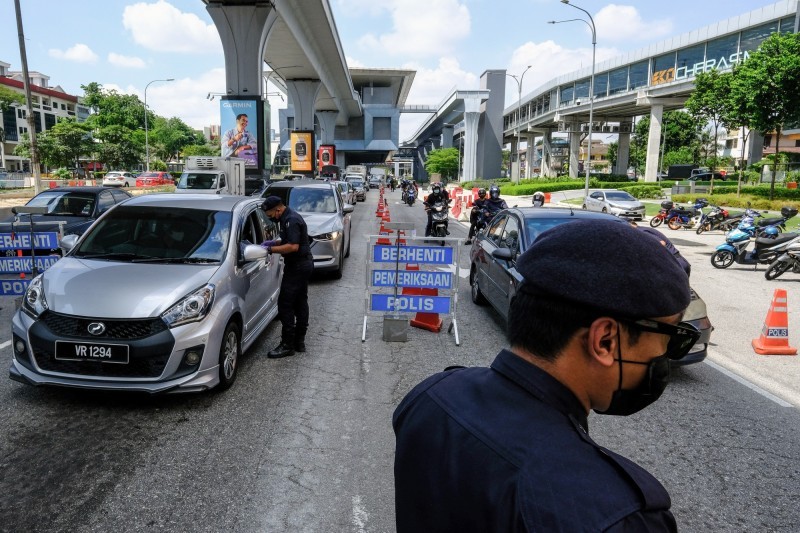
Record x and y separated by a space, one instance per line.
624 23
162 27
421 28
430 87
125 61
80 53
354 63
548 60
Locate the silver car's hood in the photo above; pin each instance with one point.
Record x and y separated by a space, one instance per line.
108 289
319 223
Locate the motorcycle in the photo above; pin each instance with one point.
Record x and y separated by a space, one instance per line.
767 248
788 260
657 220
712 220
439 220
411 195
679 217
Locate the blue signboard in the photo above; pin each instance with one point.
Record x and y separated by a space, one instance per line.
410 304
15 265
428 255
13 287
412 278
22 240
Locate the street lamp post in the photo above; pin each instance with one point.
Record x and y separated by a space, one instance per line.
519 114
590 23
146 139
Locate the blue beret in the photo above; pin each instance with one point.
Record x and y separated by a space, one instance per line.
271 203
608 265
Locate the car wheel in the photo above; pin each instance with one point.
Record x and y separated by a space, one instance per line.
776 269
349 241
605 210
337 274
584 207
722 259
475 292
229 353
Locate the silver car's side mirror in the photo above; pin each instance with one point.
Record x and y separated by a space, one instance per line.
68 242
348 208
254 252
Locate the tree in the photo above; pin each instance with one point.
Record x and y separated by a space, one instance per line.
709 102
613 149
680 130
117 149
443 161
770 79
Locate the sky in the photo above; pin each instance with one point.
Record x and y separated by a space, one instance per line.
124 44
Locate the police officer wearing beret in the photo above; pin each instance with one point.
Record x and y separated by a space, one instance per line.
507 448
294 246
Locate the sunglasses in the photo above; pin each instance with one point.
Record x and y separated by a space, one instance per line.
681 337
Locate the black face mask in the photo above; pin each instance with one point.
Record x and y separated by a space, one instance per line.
626 402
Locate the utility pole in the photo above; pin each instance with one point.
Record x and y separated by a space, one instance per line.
28 101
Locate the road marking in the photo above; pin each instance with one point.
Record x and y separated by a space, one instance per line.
360 515
749 384
5 344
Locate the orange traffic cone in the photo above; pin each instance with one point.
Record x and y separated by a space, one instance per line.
774 339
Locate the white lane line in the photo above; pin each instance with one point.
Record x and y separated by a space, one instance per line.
360 515
748 384
5 344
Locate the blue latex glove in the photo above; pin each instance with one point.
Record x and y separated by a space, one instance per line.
269 244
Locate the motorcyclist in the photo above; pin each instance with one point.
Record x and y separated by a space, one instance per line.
438 194
538 199
477 206
495 203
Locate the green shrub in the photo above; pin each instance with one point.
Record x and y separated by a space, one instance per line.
62 173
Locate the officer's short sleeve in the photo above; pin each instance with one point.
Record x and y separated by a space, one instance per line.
294 233
650 521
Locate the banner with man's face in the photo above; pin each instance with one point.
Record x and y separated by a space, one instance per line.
239 126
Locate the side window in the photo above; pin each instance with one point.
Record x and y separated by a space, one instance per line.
495 231
510 238
597 195
251 230
104 201
222 183
119 196
268 227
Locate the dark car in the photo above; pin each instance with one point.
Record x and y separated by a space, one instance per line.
70 210
494 278
706 176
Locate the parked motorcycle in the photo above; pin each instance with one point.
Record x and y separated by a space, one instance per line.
666 207
439 220
679 217
712 220
788 260
767 248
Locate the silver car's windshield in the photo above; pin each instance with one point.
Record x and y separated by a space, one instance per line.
621 196
62 203
312 200
151 234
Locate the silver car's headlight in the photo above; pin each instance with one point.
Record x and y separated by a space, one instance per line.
192 308
332 236
34 303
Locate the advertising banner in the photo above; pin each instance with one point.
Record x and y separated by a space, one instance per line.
326 155
302 143
239 122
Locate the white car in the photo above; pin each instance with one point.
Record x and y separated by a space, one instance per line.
615 202
119 179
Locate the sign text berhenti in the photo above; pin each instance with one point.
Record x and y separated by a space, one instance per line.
13 263
388 256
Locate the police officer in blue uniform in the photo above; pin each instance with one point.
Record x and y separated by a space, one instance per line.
507 448
294 246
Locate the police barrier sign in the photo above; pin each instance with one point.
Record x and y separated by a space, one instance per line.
13 287
410 304
42 241
425 255
412 278
15 265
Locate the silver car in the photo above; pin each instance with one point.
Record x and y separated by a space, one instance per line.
347 190
615 202
327 218
162 294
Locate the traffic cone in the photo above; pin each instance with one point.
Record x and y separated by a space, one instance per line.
429 321
774 339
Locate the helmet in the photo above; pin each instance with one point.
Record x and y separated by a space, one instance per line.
538 196
436 188
494 192
771 232
481 193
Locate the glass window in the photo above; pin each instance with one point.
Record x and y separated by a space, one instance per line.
510 238
601 84
690 62
618 80
312 200
64 203
567 94
638 75
495 231
723 52
663 69
104 201
752 38
582 89
787 25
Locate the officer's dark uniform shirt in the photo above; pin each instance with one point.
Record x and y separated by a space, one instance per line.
292 230
506 449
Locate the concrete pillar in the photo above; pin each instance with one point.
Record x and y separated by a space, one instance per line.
327 126
472 117
303 95
653 143
447 136
574 154
489 152
547 171
514 160
243 30
530 154
756 147
623 153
